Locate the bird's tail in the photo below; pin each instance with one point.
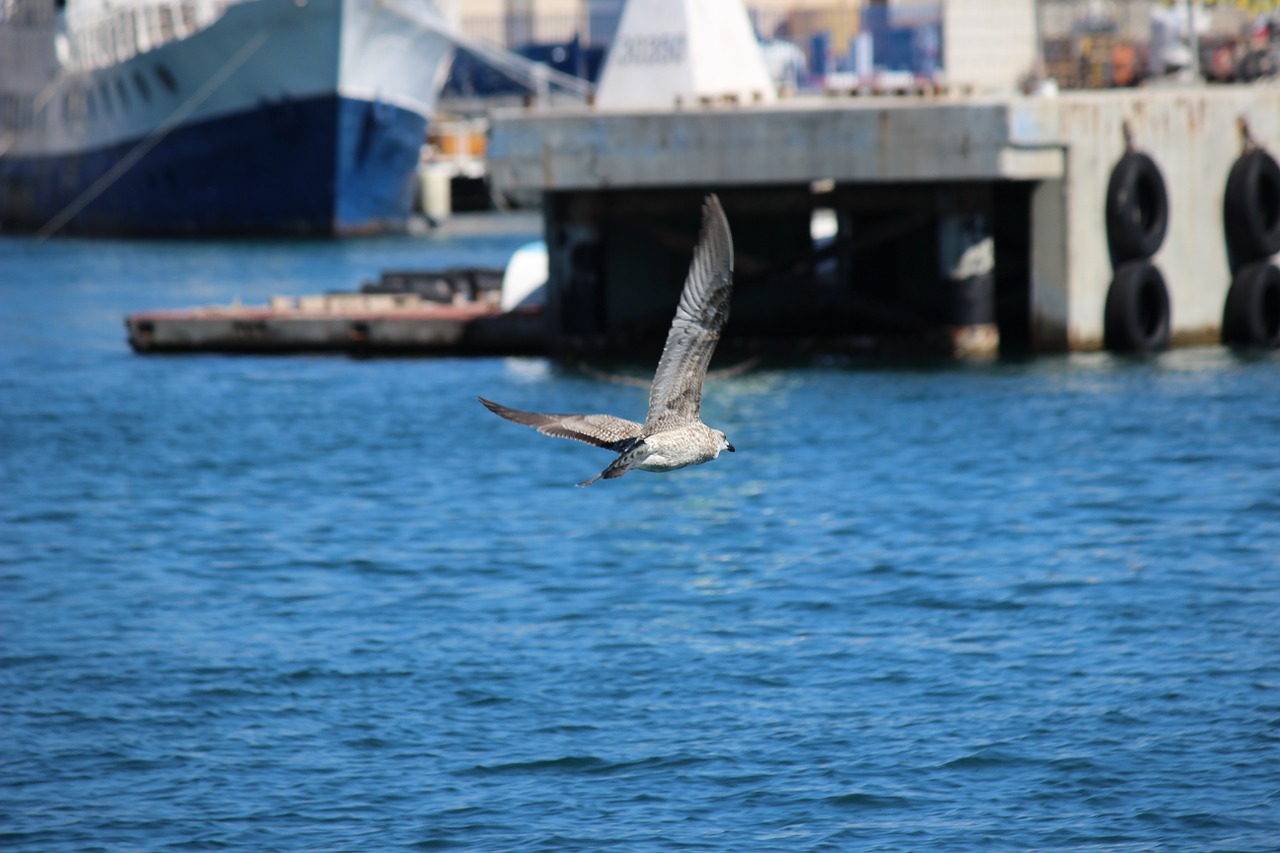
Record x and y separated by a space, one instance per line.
619 466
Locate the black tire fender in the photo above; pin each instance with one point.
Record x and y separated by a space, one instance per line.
1251 316
1137 208
1251 206
1137 315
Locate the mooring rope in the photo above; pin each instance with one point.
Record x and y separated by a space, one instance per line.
524 71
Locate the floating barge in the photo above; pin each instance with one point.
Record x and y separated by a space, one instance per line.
404 314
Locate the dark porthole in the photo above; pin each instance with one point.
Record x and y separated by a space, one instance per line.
123 92
165 76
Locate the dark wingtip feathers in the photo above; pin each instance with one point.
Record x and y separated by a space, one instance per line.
509 414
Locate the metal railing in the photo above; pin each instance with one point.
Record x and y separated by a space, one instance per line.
119 33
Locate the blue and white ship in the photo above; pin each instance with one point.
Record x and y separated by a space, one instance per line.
216 116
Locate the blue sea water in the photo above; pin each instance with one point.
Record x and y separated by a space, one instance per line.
317 603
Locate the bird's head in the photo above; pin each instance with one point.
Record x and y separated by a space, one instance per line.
724 442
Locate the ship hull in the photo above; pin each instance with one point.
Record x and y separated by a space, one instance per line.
310 121
321 166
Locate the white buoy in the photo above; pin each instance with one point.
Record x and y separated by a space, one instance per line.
523 282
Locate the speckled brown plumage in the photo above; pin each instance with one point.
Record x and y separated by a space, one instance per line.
673 435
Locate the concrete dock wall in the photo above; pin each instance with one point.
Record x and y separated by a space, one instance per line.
1194 136
1033 171
793 143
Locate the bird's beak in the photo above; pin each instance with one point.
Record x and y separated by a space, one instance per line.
729 448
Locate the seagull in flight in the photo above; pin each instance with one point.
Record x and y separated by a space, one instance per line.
673 435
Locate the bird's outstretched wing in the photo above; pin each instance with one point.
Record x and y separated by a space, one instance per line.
605 431
676 395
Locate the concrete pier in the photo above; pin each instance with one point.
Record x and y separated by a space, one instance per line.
956 218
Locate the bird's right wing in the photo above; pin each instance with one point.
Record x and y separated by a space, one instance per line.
607 431
676 395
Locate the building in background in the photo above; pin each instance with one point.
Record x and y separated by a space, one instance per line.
968 44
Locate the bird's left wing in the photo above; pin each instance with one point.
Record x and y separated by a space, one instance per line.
607 431
676 395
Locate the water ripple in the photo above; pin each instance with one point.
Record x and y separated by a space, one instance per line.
269 604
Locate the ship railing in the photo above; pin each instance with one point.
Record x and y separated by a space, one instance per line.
121 33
